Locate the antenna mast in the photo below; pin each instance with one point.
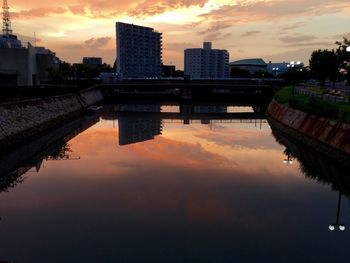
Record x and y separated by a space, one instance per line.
6 22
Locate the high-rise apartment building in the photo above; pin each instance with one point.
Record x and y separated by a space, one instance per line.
139 51
207 63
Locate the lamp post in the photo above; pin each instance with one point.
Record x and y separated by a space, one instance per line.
341 227
275 70
289 159
348 50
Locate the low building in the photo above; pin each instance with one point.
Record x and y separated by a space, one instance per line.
46 60
252 65
168 71
92 61
20 63
207 63
25 66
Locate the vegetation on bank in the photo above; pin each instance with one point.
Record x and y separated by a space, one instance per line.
313 105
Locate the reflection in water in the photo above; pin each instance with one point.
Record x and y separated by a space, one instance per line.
142 122
338 225
133 129
318 166
315 164
51 146
193 193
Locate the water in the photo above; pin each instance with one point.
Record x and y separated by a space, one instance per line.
134 187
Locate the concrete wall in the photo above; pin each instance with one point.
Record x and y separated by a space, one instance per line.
325 131
21 120
90 97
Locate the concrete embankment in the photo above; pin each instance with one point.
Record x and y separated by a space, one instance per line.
327 135
23 119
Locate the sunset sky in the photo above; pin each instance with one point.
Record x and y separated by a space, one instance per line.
277 30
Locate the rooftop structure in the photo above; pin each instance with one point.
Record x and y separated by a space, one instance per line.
252 65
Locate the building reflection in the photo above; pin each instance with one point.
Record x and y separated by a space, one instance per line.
133 128
143 122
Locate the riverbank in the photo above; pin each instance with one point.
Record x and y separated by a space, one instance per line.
26 118
305 100
329 136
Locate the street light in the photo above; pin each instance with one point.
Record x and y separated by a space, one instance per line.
341 227
289 159
275 70
348 49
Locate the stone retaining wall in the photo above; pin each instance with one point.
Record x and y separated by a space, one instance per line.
21 120
331 133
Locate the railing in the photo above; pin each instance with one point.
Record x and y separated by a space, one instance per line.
332 95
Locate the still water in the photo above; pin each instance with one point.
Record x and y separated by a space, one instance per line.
146 183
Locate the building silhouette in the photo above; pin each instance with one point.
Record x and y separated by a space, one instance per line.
139 52
22 65
207 63
92 61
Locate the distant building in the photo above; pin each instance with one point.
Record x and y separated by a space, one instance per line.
252 65
207 63
26 66
168 71
282 67
45 61
92 61
139 51
20 65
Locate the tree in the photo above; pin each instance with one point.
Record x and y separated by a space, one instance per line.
239 73
263 74
296 74
344 58
324 64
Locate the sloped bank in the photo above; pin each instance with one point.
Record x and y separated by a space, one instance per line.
329 136
21 120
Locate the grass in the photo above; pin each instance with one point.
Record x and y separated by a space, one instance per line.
315 106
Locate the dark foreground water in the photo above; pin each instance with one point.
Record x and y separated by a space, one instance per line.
143 187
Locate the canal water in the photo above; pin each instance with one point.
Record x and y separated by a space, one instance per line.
150 183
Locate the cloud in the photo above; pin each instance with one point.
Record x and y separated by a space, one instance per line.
179 46
154 7
293 26
39 12
251 33
104 9
303 41
216 26
97 43
297 39
310 44
341 36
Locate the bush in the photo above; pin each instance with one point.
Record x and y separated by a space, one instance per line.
313 105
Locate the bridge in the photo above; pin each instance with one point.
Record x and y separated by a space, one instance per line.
179 89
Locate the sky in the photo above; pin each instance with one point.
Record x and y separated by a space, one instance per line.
275 30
